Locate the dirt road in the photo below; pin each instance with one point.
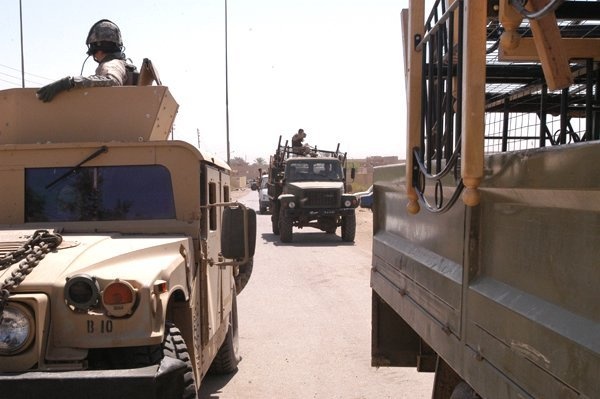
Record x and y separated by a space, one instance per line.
305 322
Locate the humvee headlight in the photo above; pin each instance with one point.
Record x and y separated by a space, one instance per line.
16 330
82 292
118 298
291 204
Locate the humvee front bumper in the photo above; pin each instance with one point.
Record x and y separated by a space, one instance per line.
157 381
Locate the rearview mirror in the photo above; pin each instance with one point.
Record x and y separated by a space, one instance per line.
238 236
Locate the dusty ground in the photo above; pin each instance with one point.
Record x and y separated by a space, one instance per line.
305 322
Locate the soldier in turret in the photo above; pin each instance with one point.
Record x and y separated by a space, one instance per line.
105 45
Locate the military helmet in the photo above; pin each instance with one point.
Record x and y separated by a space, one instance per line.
104 35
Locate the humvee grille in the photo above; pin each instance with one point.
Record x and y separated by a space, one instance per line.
321 199
8 247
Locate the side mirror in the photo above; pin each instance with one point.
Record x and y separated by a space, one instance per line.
238 236
353 173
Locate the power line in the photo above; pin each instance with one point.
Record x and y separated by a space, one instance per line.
32 82
26 73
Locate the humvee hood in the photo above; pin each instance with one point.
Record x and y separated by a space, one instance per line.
140 258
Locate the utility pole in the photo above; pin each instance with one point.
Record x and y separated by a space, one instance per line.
198 133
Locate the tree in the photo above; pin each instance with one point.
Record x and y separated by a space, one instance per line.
238 162
260 161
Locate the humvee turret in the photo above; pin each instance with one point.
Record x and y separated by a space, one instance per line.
119 249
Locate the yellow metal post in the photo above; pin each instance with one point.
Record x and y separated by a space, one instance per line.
413 95
473 99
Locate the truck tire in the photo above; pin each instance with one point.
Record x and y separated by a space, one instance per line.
348 227
285 228
245 271
174 347
275 218
228 357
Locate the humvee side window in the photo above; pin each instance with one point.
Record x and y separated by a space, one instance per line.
212 199
99 193
226 197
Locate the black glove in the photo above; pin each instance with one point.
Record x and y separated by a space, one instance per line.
48 92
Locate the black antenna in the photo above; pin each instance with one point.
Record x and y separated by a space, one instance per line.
226 91
22 56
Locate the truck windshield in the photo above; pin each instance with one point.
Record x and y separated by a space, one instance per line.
313 170
99 193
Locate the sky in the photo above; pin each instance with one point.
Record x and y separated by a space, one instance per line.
331 67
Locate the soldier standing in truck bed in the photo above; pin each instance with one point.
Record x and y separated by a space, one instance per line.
105 45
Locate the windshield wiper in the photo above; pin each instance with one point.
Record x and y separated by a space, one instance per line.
75 168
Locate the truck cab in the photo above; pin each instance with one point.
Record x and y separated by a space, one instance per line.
308 190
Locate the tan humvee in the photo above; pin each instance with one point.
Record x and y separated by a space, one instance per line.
119 248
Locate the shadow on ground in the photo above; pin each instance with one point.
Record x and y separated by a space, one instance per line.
212 385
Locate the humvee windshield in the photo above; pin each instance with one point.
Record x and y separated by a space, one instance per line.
313 170
98 193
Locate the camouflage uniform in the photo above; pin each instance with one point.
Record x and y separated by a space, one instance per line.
112 69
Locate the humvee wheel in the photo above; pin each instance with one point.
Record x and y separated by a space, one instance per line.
228 357
348 227
174 347
275 219
285 228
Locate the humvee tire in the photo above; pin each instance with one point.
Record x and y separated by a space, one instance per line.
174 347
348 227
228 357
